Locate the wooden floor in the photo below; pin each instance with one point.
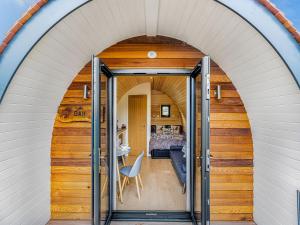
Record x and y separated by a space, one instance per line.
162 190
62 222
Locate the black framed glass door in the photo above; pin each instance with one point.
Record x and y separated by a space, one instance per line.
101 143
200 143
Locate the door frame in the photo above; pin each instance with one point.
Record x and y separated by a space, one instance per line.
203 68
97 70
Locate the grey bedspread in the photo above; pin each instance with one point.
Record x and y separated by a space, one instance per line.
163 141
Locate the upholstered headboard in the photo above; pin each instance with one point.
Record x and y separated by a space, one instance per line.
166 129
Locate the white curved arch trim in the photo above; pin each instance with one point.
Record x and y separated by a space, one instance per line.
122 108
266 86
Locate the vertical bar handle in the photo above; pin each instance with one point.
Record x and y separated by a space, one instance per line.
207 160
208 86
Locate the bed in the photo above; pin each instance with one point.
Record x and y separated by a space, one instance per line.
165 136
167 142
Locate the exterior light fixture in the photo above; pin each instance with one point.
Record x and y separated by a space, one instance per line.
152 54
85 91
218 92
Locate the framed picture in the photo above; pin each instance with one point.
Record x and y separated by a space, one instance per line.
165 111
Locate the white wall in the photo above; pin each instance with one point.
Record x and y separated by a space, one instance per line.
122 109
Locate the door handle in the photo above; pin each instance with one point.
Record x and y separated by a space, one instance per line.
207 166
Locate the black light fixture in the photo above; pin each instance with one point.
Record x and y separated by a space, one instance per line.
85 91
218 92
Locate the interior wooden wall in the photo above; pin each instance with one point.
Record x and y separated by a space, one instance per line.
231 142
157 99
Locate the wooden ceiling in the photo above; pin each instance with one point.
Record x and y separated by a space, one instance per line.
173 86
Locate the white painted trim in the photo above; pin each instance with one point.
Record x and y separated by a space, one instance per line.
141 89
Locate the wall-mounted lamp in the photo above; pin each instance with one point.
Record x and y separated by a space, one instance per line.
85 91
218 92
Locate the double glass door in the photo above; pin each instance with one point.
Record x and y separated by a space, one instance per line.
102 142
103 136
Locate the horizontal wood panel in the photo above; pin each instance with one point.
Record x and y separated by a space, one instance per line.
231 216
231 209
71 208
223 194
231 170
70 170
232 155
232 202
231 162
70 216
232 186
70 162
231 147
231 178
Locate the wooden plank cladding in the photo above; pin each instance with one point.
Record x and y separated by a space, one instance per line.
232 155
231 140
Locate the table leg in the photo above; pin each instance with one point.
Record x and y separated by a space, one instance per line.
124 164
104 186
123 160
119 184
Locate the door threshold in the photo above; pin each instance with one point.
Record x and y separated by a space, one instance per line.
156 216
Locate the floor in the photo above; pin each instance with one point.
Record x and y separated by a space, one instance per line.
57 222
162 190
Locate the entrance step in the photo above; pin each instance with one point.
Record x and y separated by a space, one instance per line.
148 223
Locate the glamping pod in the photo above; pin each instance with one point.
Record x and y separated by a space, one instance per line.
181 112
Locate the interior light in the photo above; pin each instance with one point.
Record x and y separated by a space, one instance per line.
152 54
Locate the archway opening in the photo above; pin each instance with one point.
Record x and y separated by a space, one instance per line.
232 151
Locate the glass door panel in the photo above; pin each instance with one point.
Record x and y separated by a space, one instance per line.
205 140
201 91
198 151
104 150
100 145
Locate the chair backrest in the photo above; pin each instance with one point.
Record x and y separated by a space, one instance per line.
135 170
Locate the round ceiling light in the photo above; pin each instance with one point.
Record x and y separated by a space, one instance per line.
152 54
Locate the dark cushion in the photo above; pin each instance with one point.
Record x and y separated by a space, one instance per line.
160 153
176 147
183 167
